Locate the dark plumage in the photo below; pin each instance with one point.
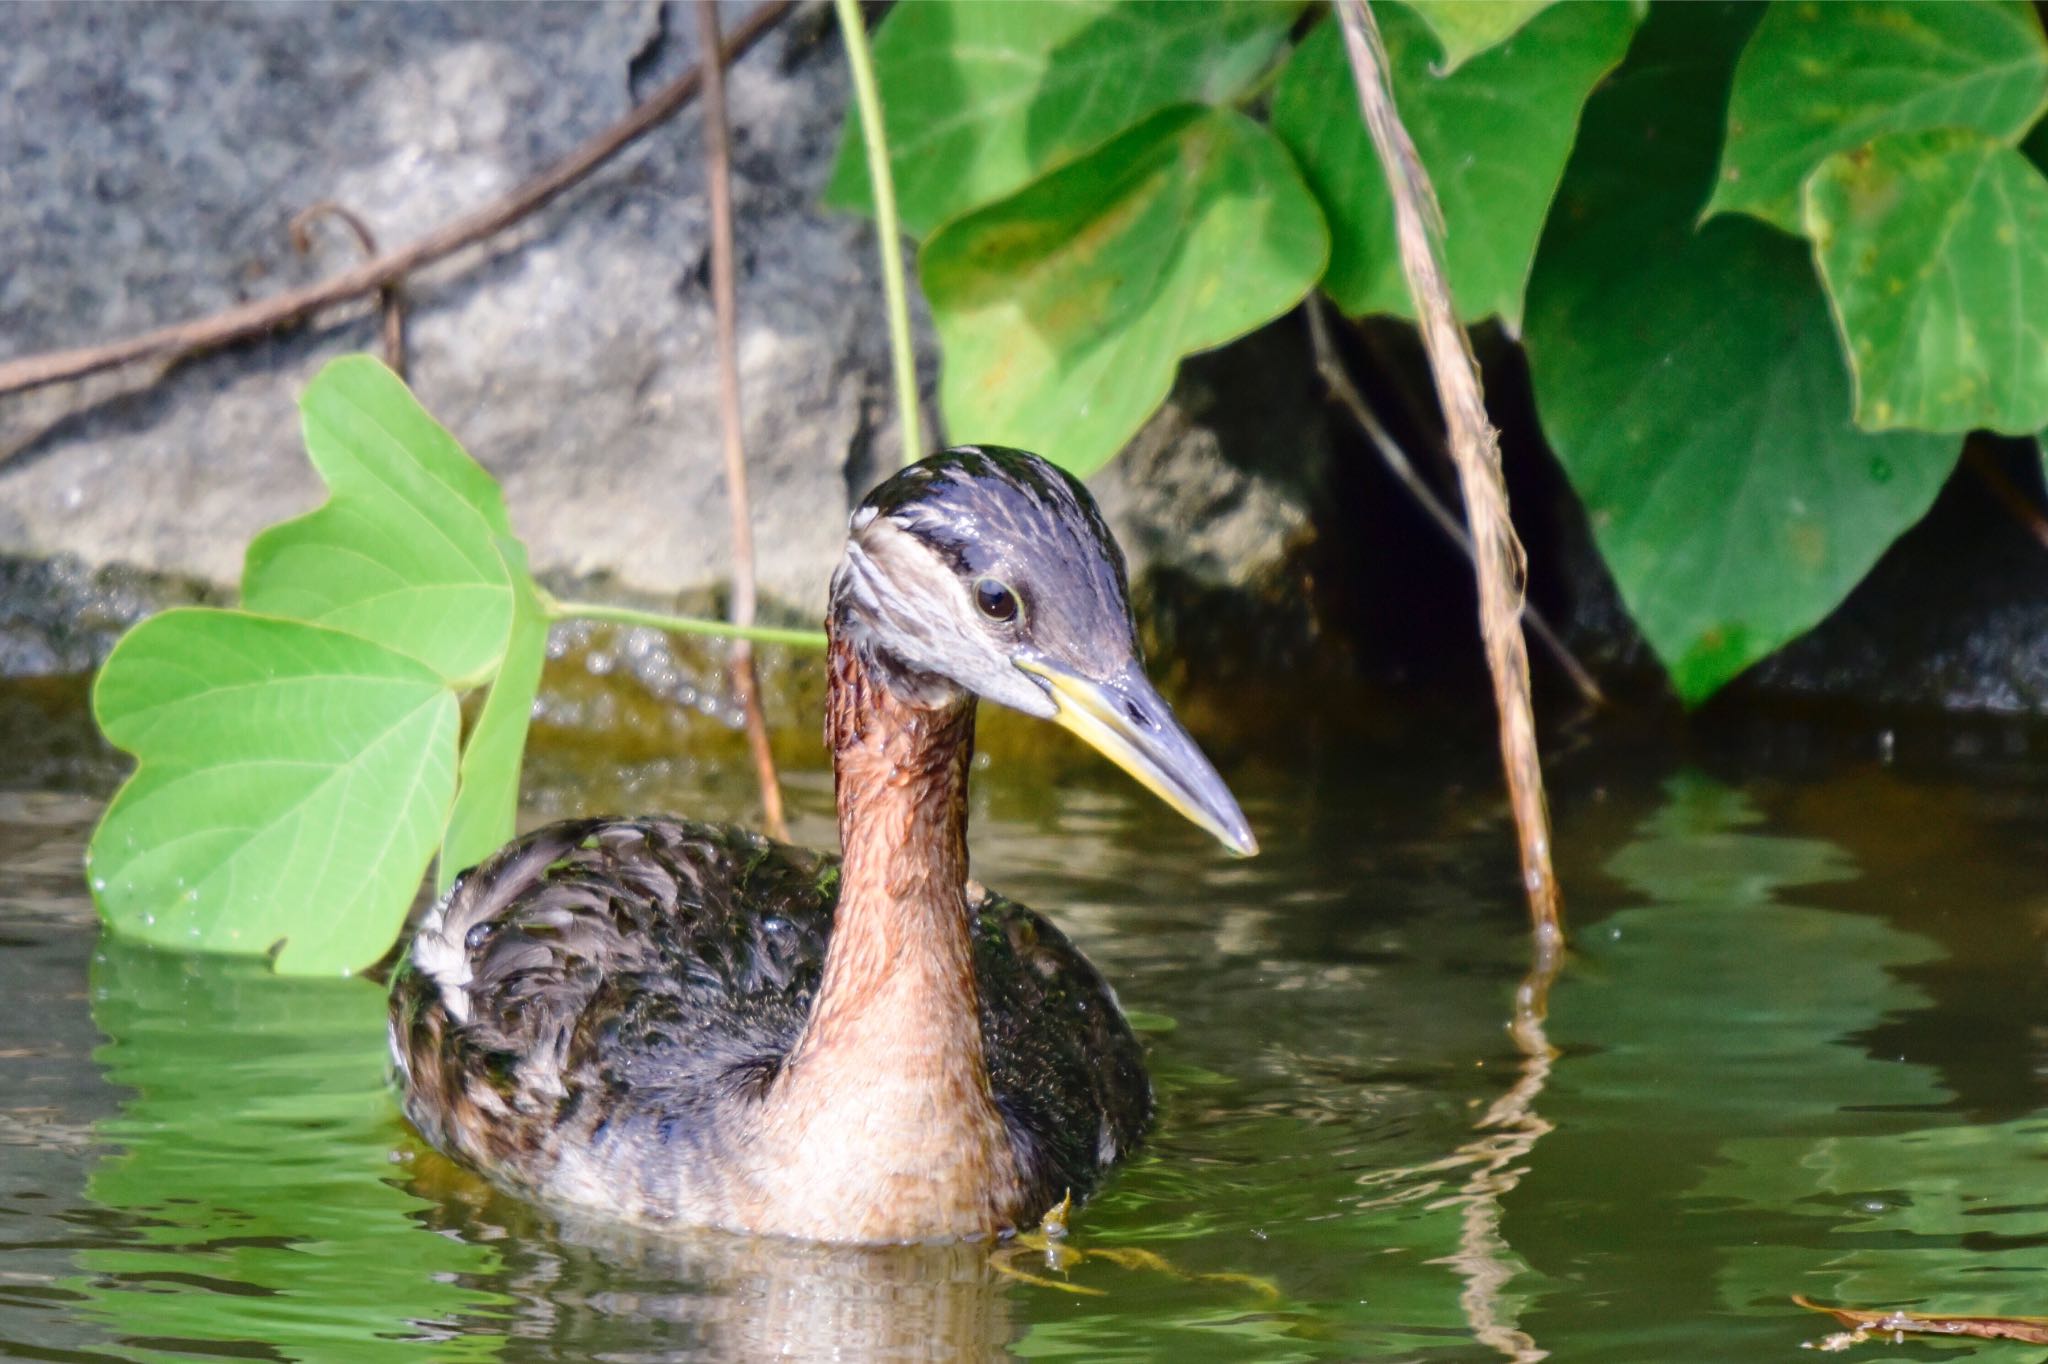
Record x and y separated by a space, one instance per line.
632 978
677 1022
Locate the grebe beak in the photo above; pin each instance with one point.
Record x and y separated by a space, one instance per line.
1125 718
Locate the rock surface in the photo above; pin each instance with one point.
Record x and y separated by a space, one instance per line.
153 156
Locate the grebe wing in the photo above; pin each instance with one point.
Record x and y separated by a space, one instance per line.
597 959
602 973
1065 1067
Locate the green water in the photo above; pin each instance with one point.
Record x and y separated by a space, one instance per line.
1803 1048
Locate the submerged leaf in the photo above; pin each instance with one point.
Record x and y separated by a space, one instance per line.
1467 28
1690 381
487 797
293 782
980 98
1817 79
404 550
1494 138
1934 248
1065 310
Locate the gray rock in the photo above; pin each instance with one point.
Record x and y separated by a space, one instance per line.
152 156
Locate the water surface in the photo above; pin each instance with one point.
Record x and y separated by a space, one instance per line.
1803 1048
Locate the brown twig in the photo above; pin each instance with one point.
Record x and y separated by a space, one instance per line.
264 315
746 682
1338 380
2010 497
1475 449
390 299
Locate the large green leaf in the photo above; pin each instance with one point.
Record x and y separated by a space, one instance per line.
1690 381
1064 310
1823 78
981 98
1934 248
487 796
1494 137
293 784
404 550
1466 28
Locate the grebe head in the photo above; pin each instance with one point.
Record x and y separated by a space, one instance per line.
989 571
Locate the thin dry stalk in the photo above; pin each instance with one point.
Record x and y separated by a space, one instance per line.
1513 1125
1330 366
265 315
746 682
390 299
1475 449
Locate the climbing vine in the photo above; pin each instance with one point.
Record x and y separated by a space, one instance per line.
1768 262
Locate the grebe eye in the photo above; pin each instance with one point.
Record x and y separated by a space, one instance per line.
996 601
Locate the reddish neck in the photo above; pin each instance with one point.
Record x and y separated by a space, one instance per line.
881 1125
901 934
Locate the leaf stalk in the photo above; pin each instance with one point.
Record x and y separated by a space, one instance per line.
682 625
882 184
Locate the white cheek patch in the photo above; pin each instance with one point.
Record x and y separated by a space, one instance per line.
904 583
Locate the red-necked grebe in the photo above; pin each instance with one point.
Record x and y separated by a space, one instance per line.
675 1022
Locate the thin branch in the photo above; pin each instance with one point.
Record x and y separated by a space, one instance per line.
882 182
1475 448
265 315
1331 367
2010 497
682 625
746 682
390 299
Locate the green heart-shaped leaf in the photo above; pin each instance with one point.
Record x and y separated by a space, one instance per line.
293 783
1494 138
1817 79
981 98
1064 311
1690 381
1934 248
1466 28
404 551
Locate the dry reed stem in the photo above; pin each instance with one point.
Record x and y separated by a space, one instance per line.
746 682
1475 449
264 315
1513 1125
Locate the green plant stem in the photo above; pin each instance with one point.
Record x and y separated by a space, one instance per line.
882 182
683 625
